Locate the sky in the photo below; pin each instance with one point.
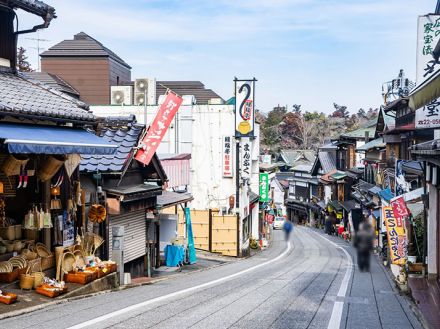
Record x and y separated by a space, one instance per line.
309 52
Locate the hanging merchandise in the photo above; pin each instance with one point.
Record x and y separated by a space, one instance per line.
72 163
13 164
29 221
50 167
47 221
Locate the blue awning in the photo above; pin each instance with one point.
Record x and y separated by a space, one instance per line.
386 194
35 139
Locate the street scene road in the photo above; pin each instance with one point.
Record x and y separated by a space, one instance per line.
284 286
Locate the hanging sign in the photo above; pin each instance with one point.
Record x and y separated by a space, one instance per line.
245 158
399 208
428 35
264 187
158 128
244 108
396 236
227 157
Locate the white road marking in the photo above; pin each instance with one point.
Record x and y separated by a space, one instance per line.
336 317
178 293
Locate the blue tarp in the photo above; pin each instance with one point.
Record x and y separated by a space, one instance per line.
174 255
377 213
37 139
386 194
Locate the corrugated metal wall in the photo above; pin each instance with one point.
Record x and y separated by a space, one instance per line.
178 172
134 238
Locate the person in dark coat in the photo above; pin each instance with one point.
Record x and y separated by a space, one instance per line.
363 242
328 224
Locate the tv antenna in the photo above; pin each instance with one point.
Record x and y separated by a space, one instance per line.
38 47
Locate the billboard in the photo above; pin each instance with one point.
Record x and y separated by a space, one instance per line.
227 163
264 187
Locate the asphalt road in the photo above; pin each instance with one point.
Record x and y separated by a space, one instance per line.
310 283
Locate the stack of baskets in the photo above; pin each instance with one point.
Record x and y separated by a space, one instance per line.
47 258
34 276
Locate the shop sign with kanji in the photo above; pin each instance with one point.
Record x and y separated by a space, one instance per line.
428 35
245 158
158 128
244 108
227 157
399 208
397 243
264 187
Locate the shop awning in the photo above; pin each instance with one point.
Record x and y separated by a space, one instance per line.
335 205
52 140
386 194
426 92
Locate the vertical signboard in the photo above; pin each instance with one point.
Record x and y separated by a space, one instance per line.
264 187
428 35
245 158
227 163
244 108
396 236
158 128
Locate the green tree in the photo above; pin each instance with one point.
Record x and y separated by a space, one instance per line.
22 61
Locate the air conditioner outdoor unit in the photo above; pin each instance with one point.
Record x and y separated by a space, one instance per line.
121 95
142 90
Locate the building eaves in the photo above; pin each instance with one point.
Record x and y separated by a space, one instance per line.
53 81
35 7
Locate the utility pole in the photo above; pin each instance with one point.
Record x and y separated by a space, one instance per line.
38 48
437 8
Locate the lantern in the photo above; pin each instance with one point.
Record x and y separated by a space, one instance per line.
1 188
54 191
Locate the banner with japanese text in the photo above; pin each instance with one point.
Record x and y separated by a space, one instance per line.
399 207
158 128
397 243
244 108
245 158
428 35
264 187
227 162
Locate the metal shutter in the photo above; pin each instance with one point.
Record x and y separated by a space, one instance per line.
134 239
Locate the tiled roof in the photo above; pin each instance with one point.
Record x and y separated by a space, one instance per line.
20 96
33 6
53 81
126 138
82 45
195 88
375 143
360 133
430 147
291 157
327 160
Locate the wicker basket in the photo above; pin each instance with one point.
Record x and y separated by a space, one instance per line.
50 167
42 250
47 262
17 229
13 163
7 233
38 279
29 255
27 280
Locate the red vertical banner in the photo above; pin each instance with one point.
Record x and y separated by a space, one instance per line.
158 128
399 209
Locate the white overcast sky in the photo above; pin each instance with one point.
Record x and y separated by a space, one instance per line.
308 52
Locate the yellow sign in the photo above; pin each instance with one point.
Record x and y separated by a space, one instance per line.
396 236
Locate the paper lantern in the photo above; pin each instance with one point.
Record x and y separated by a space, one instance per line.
1 188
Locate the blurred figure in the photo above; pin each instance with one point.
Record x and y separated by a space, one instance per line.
363 242
287 228
328 223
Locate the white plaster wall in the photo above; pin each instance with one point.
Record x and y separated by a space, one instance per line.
359 155
278 194
327 193
432 230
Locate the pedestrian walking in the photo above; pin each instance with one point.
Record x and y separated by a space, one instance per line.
287 228
363 242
